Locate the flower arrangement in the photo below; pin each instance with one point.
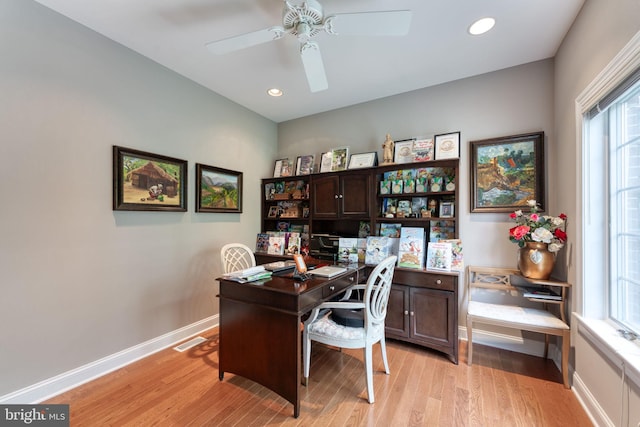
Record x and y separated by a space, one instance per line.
538 228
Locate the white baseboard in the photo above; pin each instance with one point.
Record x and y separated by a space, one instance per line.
51 387
591 406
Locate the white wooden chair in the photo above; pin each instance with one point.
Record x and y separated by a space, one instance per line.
323 329
236 256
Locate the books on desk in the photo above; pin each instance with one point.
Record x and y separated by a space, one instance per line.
539 293
251 274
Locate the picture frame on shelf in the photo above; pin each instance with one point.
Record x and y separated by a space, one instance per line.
403 151
273 212
363 160
145 181
277 168
218 190
339 159
446 210
447 146
304 165
326 160
518 162
423 149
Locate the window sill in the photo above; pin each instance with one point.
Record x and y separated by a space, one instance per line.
623 353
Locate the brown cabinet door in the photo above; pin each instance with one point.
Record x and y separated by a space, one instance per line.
432 316
324 197
397 320
354 195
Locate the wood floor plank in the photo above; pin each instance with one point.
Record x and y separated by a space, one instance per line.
170 388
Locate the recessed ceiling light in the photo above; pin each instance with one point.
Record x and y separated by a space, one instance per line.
274 92
481 26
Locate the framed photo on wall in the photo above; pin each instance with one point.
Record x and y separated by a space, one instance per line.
218 190
506 172
148 182
447 146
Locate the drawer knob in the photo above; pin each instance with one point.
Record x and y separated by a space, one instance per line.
332 288
438 282
351 279
412 313
406 312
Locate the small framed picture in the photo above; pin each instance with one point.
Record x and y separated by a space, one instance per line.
273 212
364 160
277 169
446 210
339 158
403 151
218 190
304 165
325 161
447 146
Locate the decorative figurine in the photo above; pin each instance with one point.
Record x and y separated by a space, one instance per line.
387 151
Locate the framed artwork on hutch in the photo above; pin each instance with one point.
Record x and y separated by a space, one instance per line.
506 172
218 190
148 182
447 146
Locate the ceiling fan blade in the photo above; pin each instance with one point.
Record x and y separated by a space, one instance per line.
243 41
313 66
389 23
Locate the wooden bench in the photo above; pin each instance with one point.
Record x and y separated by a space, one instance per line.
513 316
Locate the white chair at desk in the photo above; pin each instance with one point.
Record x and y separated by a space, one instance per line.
323 329
236 256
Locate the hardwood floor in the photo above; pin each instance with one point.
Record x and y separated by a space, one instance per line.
171 388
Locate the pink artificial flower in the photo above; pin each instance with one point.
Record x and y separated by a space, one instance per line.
519 232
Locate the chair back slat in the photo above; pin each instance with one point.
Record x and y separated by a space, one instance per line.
377 291
236 256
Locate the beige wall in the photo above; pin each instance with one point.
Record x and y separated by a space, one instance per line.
79 281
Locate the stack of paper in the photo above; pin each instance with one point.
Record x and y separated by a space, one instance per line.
249 274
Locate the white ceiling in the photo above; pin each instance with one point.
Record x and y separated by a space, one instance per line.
437 49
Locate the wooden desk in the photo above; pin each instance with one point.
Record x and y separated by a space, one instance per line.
260 328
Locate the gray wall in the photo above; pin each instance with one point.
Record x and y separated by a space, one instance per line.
601 30
80 281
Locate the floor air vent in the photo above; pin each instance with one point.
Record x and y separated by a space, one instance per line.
188 344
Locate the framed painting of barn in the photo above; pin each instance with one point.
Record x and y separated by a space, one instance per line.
148 182
218 190
506 172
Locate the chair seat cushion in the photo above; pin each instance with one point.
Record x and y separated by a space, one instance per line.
327 327
347 317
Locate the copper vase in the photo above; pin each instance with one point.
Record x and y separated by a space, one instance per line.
535 261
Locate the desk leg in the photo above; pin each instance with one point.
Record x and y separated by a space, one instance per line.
263 345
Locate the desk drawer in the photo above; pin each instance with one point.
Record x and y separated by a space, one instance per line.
339 285
422 278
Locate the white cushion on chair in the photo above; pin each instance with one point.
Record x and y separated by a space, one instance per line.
327 327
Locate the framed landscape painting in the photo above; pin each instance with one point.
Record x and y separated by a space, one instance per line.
148 182
218 190
506 172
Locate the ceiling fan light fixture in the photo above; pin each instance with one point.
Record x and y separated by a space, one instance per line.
481 26
275 92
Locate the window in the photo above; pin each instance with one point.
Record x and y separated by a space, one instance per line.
612 147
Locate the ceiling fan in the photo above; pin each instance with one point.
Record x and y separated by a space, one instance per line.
306 19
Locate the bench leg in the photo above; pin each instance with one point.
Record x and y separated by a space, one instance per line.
565 357
546 346
469 341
